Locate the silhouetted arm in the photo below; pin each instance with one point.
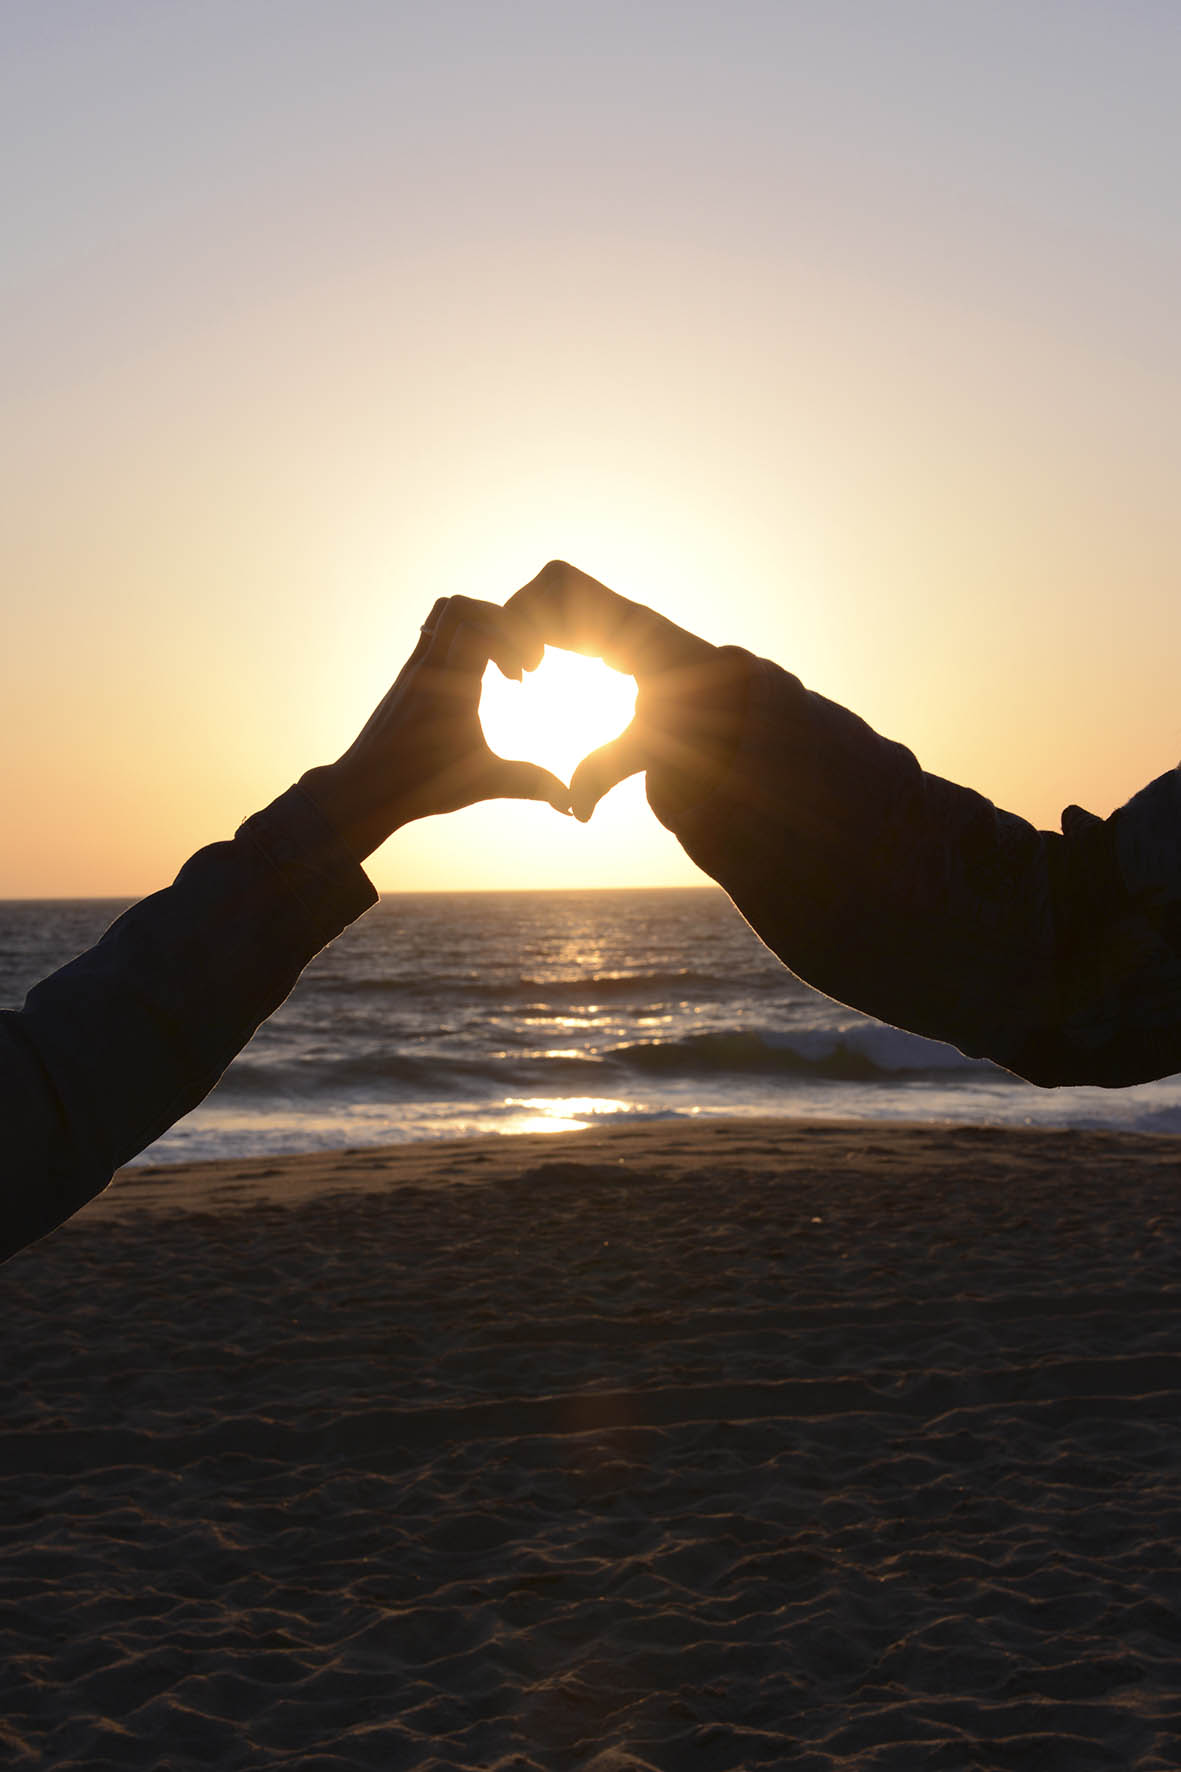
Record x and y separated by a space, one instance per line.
112 1049
1056 955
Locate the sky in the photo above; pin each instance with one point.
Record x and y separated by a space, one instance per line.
842 330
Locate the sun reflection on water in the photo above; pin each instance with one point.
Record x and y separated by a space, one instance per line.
562 1113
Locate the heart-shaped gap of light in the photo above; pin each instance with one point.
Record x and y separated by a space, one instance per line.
568 706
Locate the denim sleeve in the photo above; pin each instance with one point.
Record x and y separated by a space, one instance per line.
1055 954
112 1049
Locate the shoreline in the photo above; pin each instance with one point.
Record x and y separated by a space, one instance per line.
677 1144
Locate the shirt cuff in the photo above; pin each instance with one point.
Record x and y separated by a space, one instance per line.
315 866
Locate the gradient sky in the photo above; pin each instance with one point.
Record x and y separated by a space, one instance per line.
843 331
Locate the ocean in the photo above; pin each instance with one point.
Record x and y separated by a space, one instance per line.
441 1015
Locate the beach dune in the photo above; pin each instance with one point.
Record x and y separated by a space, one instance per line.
708 1444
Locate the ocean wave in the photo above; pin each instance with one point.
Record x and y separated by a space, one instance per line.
861 1054
398 1076
622 984
392 1073
585 988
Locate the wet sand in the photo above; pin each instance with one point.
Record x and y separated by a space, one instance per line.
708 1445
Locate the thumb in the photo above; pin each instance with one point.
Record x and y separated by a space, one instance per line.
510 780
599 772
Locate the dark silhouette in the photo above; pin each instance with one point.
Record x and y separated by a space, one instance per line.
112 1049
1055 954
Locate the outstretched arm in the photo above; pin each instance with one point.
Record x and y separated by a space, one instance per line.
114 1047
1057 955
111 1050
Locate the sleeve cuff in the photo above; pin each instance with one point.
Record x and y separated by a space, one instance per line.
314 864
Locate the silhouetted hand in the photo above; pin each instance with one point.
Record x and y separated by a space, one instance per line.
423 750
688 701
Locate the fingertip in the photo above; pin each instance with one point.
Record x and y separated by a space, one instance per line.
581 804
549 788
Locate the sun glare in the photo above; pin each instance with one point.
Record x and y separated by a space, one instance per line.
568 706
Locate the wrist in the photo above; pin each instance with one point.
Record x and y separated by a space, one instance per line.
346 800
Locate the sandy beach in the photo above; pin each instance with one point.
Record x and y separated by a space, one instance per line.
699 1445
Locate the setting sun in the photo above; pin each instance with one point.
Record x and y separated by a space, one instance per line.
282 374
568 706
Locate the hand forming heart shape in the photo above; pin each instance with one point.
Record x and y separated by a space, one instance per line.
689 703
423 750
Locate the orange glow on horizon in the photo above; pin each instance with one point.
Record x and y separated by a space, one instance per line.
281 373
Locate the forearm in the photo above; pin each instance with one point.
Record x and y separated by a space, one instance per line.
115 1047
111 1050
921 903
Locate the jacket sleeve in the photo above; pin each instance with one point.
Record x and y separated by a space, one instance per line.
1055 954
112 1049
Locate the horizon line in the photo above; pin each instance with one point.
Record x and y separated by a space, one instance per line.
128 898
